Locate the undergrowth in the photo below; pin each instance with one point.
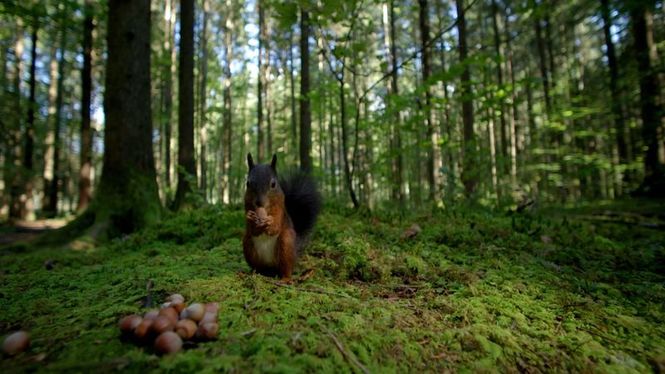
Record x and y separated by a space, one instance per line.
473 291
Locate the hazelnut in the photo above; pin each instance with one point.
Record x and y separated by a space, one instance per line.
207 331
168 342
143 330
195 312
186 328
129 323
178 306
176 297
162 324
151 315
16 343
261 212
170 313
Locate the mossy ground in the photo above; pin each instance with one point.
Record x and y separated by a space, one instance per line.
473 291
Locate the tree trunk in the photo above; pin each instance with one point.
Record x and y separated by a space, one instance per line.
168 71
12 172
260 82
345 146
203 128
186 162
86 91
498 50
26 203
294 118
397 160
127 198
226 119
51 203
305 113
469 172
514 118
434 159
642 26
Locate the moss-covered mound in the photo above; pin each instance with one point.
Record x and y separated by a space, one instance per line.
471 291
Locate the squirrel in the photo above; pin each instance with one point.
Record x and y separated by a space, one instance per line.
280 212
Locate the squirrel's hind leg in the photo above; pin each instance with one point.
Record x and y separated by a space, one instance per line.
286 254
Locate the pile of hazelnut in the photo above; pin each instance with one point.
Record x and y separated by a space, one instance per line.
174 323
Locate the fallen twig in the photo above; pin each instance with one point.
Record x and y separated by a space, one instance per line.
347 355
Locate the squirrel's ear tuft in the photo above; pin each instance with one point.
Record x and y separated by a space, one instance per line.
250 161
273 162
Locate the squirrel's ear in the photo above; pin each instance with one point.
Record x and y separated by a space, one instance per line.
250 161
273 162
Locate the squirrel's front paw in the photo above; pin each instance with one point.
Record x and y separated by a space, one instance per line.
251 216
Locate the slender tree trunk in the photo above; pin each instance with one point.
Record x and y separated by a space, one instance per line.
619 123
642 26
127 198
498 50
434 160
203 124
514 117
261 81
469 172
540 44
85 184
26 203
167 90
227 123
345 147
294 118
12 172
186 162
50 134
305 112
395 139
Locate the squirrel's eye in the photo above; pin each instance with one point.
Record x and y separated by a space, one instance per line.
273 184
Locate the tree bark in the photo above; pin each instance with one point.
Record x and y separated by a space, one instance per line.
294 117
85 184
127 198
26 204
499 78
260 82
434 158
168 71
305 113
186 162
397 160
12 172
469 172
227 118
203 125
642 26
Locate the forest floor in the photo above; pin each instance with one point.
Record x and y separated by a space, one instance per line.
558 290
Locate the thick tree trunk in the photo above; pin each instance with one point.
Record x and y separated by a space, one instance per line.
186 162
469 172
127 198
305 112
12 176
85 184
434 159
651 112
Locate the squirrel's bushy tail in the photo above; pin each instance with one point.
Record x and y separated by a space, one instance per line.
302 200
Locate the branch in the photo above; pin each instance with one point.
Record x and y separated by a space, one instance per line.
415 54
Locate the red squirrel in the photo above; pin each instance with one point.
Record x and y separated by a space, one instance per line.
279 215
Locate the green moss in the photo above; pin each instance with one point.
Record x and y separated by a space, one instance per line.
474 291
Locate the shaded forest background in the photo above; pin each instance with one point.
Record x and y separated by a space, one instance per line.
145 105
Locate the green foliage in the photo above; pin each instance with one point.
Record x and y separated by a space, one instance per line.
473 291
